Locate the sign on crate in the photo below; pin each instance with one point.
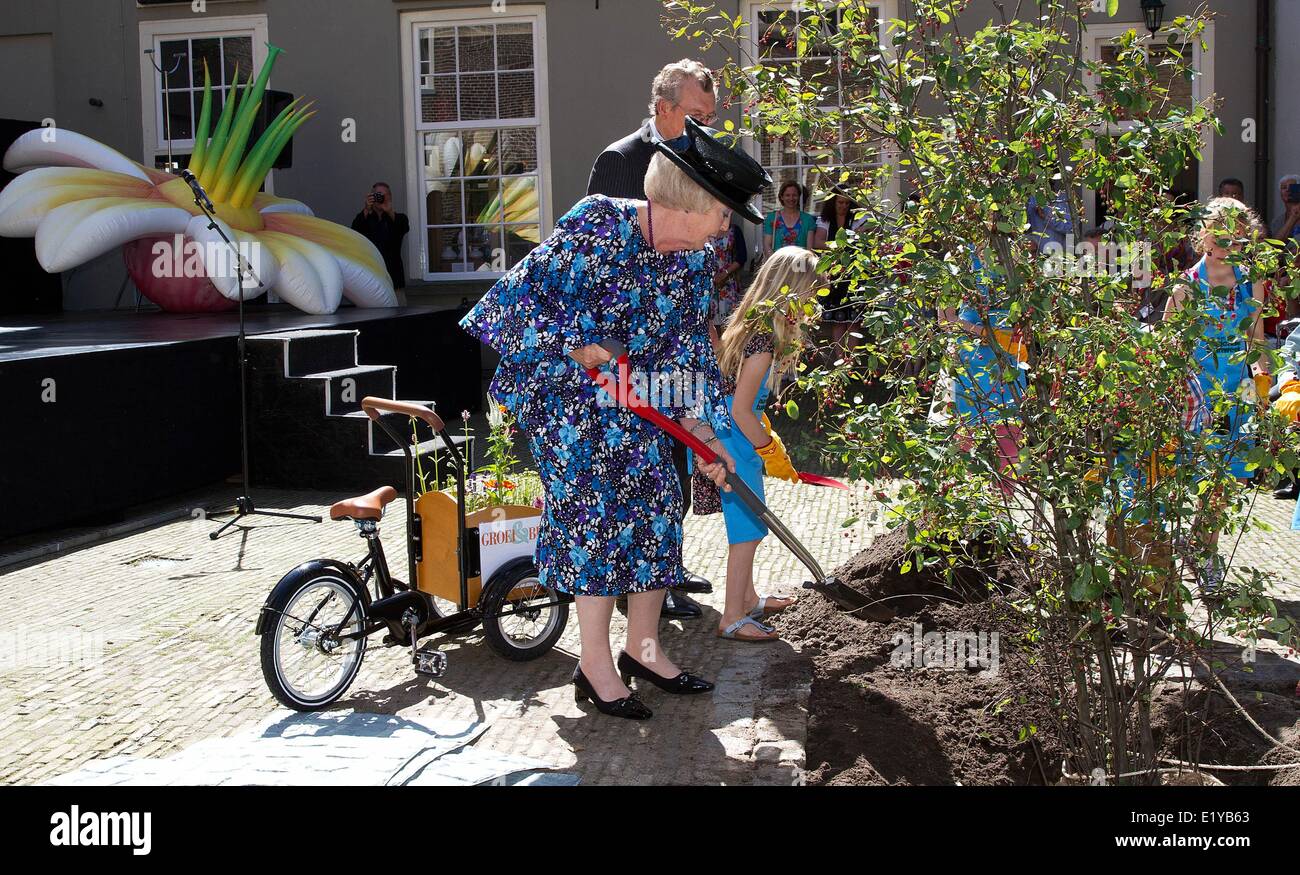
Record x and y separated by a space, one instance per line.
502 540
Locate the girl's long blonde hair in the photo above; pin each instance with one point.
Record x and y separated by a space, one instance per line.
1224 217
778 300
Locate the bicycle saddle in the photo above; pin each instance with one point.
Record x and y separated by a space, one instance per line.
363 507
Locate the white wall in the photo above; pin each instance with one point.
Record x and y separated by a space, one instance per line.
1286 97
27 58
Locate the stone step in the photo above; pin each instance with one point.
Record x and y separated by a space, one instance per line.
346 387
427 449
404 425
313 351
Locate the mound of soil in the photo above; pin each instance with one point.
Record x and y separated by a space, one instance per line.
881 713
1210 725
879 574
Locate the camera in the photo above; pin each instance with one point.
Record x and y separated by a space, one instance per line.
378 196
1293 193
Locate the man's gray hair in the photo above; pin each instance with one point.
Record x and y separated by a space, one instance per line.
667 84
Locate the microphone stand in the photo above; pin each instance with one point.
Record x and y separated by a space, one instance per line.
244 503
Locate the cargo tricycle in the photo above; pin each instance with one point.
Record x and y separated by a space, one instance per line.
317 620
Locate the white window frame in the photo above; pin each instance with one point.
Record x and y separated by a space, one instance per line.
887 10
1202 86
153 34
416 203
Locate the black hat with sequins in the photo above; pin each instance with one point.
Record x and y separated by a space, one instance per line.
718 162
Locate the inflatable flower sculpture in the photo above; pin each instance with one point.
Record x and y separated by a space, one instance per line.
81 199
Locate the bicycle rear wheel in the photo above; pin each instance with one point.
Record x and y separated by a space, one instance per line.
306 661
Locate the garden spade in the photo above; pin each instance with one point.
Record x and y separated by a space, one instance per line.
624 395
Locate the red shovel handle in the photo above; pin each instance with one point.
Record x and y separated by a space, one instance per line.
625 396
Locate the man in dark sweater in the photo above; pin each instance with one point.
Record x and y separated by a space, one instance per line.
680 89
382 226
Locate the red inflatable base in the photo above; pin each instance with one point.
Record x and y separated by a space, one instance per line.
160 273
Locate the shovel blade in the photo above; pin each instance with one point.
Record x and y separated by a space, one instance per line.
850 600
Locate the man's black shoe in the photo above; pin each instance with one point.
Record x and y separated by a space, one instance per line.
694 583
679 606
1288 490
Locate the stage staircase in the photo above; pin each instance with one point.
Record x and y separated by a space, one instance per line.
306 426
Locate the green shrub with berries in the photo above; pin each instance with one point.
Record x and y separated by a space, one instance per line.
944 129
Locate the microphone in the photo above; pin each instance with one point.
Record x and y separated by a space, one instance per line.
200 195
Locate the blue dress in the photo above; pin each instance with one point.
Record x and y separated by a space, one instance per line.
981 396
1224 334
1227 327
612 517
741 522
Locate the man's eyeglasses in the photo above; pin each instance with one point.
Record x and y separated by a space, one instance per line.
706 119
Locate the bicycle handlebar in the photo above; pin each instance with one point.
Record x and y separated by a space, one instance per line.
372 406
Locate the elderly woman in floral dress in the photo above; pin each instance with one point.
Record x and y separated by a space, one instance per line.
637 272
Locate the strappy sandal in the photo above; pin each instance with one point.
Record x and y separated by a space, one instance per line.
763 609
731 633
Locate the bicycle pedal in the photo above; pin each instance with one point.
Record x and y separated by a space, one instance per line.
431 663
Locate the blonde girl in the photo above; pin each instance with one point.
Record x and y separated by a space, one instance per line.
761 342
1232 308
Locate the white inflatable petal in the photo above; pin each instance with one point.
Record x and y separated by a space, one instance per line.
76 232
363 286
27 200
221 265
366 282
269 203
45 147
450 155
309 276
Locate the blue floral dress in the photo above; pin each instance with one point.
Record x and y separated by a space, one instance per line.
613 510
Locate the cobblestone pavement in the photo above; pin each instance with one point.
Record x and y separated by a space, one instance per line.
144 644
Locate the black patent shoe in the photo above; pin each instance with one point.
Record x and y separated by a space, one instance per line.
679 606
629 707
684 684
694 583
1288 491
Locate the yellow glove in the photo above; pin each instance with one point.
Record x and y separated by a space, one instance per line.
1014 347
1263 384
776 461
1160 464
1288 403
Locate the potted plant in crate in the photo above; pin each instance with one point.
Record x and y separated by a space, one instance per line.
495 493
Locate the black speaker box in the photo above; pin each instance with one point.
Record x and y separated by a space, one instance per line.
28 288
272 102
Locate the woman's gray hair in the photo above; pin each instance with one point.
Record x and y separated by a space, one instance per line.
667 84
669 185
1288 179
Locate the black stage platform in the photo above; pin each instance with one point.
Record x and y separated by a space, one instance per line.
105 410
24 337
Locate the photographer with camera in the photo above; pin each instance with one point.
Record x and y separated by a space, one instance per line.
379 224
1288 225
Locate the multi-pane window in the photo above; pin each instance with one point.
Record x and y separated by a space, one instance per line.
1179 88
181 81
1194 179
477 126
785 157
